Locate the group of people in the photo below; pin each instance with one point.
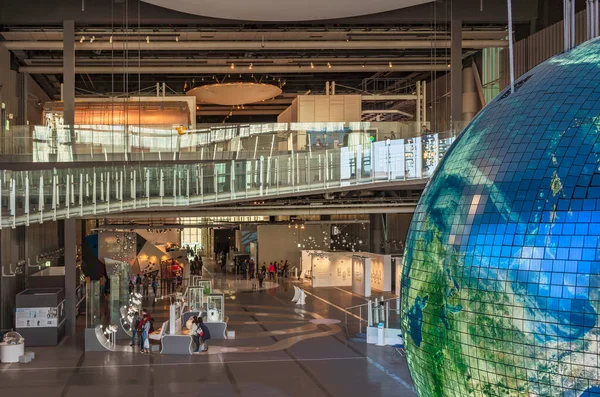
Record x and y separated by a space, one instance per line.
276 269
200 333
196 265
142 327
143 284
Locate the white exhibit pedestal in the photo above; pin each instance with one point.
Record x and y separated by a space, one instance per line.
11 353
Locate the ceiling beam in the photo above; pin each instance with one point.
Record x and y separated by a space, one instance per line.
175 69
239 112
251 45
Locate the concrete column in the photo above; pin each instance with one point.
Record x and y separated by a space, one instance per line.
69 76
456 85
470 95
70 230
377 234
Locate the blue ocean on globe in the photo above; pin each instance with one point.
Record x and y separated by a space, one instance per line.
501 272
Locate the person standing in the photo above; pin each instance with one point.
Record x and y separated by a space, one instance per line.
271 271
102 286
134 328
138 283
285 268
146 285
204 334
195 333
261 278
154 285
145 334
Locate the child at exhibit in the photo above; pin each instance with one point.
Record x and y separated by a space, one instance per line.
145 332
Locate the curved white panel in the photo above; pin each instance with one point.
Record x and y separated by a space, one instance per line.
284 10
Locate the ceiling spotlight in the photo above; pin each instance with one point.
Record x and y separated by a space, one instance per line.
110 39
177 39
390 64
312 66
448 65
148 39
81 39
92 39
250 67
328 65
232 66
363 65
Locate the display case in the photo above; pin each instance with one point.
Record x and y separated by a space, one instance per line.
197 281
92 304
118 273
40 315
195 298
215 308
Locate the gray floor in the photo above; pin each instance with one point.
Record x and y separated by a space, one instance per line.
277 352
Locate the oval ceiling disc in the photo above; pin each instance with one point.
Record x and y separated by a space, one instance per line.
284 10
231 94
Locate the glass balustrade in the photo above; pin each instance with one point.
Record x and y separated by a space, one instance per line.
98 143
40 195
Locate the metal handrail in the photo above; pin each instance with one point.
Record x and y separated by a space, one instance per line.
361 320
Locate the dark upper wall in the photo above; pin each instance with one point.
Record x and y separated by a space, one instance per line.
98 12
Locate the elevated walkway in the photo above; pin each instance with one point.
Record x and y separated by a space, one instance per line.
47 192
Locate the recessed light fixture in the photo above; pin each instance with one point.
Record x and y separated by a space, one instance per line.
110 39
92 39
148 39
328 65
390 64
232 66
312 66
250 67
81 39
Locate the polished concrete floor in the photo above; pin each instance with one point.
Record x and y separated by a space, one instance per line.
280 350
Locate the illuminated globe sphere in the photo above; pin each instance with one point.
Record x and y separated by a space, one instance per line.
500 285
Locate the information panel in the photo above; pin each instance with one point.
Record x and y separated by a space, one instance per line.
37 317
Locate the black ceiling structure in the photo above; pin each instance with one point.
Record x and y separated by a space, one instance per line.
138 24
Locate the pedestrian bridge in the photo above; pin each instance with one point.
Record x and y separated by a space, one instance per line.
46 192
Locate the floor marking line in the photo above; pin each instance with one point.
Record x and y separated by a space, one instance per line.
343 290
333 305
182 364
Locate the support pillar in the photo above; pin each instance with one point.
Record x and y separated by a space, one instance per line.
69 78
70 229
377 234
456 97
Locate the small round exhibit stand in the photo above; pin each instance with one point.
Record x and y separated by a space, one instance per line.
10 353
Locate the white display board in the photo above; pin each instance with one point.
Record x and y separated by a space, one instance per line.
305 261
332 270
38 317
361 273
381 272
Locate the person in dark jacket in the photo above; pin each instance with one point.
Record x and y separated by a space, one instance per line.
204 334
